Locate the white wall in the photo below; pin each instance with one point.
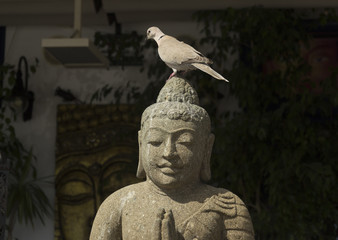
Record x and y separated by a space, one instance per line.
40 132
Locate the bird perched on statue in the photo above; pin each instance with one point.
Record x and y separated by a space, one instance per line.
180 56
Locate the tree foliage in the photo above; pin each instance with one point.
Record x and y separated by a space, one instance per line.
279 153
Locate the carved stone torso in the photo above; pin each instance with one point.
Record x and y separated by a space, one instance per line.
148 204
207 214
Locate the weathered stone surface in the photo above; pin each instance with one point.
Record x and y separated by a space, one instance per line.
174 202
178 90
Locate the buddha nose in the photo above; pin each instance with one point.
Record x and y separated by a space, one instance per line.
169 149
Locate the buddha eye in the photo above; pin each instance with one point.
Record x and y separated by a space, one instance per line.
155 143
154 137
185 139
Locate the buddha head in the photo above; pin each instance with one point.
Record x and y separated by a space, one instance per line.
175 141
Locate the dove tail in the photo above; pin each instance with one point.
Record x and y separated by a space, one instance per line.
207 69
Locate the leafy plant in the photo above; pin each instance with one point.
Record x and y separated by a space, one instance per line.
25 201
279 151
121 49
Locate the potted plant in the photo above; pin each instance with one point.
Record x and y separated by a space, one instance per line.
26 201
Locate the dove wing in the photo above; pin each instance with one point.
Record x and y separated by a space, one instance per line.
172 51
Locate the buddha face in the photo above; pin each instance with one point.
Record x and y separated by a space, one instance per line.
173 152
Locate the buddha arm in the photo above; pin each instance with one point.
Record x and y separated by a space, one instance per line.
240 225
107 223
222 217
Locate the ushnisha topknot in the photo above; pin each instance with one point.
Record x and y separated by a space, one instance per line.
177 100
178 90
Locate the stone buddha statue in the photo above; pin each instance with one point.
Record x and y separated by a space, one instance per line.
174 202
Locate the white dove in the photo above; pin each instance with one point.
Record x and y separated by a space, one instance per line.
180 56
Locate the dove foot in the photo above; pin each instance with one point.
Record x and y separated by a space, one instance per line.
172 74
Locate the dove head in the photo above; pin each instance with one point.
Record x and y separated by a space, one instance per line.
154 33
176 111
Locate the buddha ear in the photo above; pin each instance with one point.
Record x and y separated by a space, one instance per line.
205 168
140 170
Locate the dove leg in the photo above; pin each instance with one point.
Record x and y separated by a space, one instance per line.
173 73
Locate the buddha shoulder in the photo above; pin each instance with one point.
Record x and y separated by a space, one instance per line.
107 223
124 194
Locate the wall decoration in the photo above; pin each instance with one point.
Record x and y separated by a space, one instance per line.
96 154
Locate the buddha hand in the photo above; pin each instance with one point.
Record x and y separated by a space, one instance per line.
164 227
